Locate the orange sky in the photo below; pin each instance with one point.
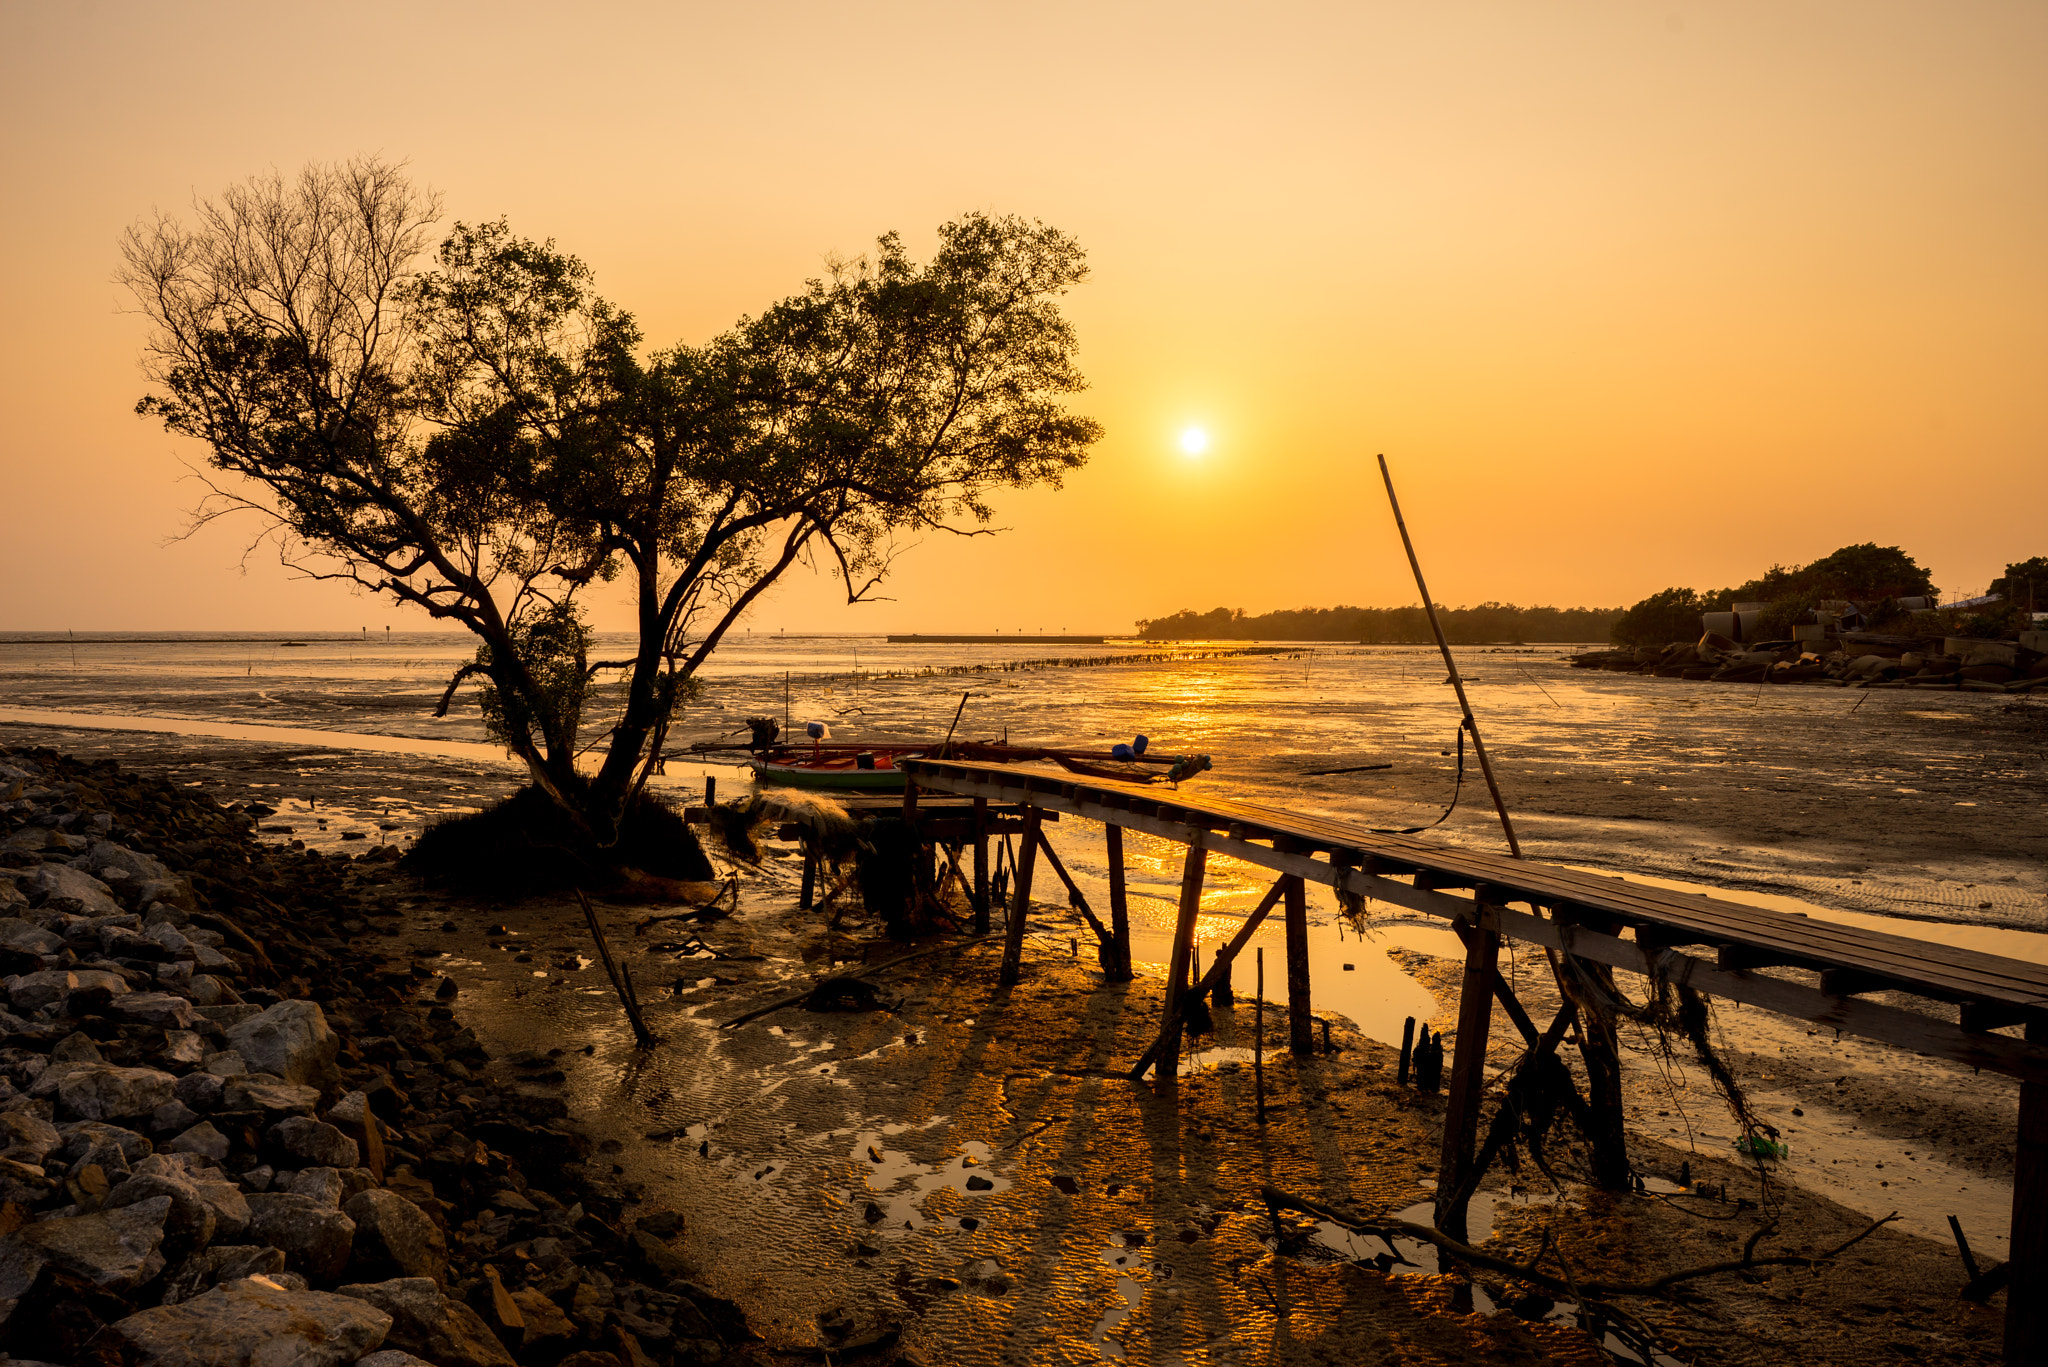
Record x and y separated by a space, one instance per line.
1631 295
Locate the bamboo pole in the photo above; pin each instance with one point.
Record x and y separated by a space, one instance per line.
1507 826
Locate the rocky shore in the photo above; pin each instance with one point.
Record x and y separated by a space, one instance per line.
1850 660
233 1132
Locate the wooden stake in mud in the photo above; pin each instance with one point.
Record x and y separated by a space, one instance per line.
1119 906
1468 1067
622 982
1301 1026
1020 899
1457 680
981 866
1259 1038
1168 1061
2026 1295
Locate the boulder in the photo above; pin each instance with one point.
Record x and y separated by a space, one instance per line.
313 1143
394 1238
222 1263
203 1140
105 854
429 1324
316 1239
24 1183
103 1091
114 1249
323 1185
545 1322
70 889
256 1092
392 1357
189 1225
253 1322
290 1039
33 991
26 1137
201 1091
164 1010
108 1145
26 936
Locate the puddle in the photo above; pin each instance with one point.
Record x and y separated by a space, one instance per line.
895 1185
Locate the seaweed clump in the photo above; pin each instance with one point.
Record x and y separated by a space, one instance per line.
527 844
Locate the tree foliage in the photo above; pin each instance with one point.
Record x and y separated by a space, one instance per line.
1488 622
484 437
1866 573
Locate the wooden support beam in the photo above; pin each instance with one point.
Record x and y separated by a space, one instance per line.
1168 1061
1850 982
1075 897
810 885
1301 1038
2026 1295
1119 905
1219 973
1468 1070
1020 901
1740 958
1850 1015
981 866
1513 1006
1979 1017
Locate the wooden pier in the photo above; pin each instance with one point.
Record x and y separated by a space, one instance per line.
1961 1002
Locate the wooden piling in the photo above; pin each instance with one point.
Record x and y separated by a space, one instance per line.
2026 1296
803 900
1168 1063
1259 1038
1468 1067
1301 1037
981 866
1020 898
1119 906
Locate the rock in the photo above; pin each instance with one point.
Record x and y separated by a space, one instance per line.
206 1185
204 1140
102 1091
108 1145
314 1143
253 1323
114 1249
290 1039
545 1322
221 1263
256 1093
190 1224
173 1117
392 1357
200 1091
26 936
165 1010
71 889
315 1239
325 1186
24 1183
105 854
425 1322
183 1048
76 1047
394 1238
26 1137
657 1257
32 991
589 1359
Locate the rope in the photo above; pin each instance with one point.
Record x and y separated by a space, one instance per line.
1456 791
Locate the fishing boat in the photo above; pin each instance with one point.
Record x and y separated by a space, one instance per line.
840 768
852 767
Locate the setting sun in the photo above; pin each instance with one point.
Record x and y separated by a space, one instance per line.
1194 441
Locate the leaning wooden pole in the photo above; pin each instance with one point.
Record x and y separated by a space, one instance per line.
1020 898
1507 826
1167 1061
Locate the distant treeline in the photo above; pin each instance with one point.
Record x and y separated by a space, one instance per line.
1485 624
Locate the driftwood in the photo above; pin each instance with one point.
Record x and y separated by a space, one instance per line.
622 980
1386 1228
